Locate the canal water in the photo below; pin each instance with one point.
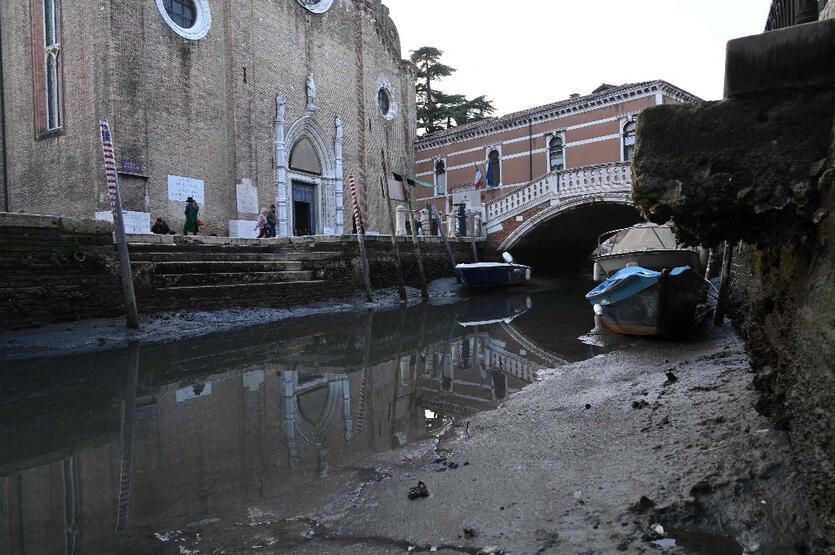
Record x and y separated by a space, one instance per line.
127 451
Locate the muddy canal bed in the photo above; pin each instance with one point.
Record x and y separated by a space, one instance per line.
306 435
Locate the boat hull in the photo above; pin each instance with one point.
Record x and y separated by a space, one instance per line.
493 274
664 307
651 259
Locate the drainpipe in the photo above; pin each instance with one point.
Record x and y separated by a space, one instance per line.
530 150
3 127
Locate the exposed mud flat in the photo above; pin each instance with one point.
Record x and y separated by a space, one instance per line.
591 459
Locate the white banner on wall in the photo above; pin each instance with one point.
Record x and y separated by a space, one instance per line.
180 188
247 195
136 223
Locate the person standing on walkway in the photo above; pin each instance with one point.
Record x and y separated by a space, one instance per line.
261 224
272 221
192 209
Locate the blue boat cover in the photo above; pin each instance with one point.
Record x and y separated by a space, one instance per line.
628 282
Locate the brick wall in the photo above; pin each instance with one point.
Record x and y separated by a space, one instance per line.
56 270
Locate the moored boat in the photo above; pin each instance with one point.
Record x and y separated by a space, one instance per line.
646 245
494 274
640 301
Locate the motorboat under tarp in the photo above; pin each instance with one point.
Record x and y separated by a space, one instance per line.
646 245
494 274
640 301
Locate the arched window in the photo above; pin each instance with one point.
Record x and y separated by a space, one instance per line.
303 158
52 64
628 141
556 154
494 169
440 178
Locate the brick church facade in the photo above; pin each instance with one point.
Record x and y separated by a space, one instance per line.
240 105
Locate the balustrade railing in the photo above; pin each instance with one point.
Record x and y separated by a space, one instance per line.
561 184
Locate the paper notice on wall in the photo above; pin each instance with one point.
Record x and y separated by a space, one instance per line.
247 195
136 223
180 188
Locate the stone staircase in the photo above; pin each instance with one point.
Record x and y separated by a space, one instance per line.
221 276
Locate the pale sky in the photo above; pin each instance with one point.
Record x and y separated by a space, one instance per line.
524 53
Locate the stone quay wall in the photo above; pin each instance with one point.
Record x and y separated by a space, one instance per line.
56 270
59 269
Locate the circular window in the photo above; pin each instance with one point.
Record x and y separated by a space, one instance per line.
316 6
181 12
384 101
191 19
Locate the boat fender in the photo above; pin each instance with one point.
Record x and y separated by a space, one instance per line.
598 271
598 309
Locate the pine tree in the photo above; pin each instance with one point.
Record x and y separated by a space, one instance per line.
437 110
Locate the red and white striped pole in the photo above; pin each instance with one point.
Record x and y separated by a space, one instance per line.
112 177
355 205
360 237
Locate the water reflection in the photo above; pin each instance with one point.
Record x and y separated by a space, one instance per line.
109 452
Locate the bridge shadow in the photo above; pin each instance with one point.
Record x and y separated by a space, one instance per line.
562 240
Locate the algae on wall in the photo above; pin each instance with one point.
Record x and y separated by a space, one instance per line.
760 169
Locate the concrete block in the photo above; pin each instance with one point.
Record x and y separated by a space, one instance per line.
799 56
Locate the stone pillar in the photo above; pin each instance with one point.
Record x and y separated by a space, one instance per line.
424 221
400 220
477 224
340 184
450 224
282 193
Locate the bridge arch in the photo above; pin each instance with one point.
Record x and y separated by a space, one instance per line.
562 236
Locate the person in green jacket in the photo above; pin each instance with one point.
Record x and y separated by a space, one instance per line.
192 209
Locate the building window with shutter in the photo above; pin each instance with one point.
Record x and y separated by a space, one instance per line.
494 169
556 154
628 141
440 178
48 66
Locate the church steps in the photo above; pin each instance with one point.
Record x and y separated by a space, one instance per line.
216 266
231 278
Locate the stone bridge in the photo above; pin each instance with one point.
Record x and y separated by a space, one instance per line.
554 221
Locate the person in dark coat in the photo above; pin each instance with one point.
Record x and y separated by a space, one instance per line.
161 228
192 209
272 221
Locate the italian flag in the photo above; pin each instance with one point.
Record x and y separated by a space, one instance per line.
478 180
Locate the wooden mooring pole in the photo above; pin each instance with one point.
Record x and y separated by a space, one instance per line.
445 242
724 284
424 292
472 237
109 152
401 283
360 238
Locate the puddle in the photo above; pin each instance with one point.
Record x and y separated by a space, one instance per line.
163 440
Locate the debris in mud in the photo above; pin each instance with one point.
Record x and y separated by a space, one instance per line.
657 531
588 406
490 550
470 533
642 404
420 490
643 505
671 377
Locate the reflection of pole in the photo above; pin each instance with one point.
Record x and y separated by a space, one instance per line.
366 355
128 422
288 398
72 531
